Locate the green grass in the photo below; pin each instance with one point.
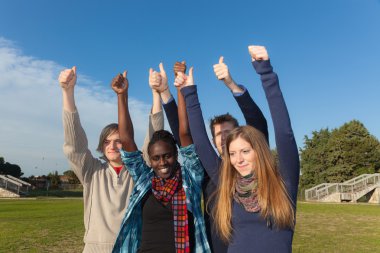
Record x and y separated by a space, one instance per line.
41 225
337 228
56 225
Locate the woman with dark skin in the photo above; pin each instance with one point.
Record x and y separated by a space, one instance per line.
164 214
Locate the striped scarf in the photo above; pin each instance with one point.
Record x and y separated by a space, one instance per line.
172 190
246 192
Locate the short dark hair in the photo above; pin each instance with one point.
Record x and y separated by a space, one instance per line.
107 131
220 119
165 136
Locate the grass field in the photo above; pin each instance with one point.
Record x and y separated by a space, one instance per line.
349 228
56 225
41 225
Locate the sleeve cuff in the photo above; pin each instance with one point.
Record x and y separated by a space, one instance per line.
188 150
188 90
157 120
170 100
262 67
237 94
68 112
125 154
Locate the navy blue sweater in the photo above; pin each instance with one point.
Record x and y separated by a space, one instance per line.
250 231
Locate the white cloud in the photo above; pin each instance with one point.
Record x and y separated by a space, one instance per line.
31 133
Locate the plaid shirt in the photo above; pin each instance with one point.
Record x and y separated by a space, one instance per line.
129 237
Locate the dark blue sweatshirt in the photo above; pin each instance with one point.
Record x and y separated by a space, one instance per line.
250 231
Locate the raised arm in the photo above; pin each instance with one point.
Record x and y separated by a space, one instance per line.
156 106
209 158
222 73
120 86
75 144
67 79
251 112
184 130
156 122
285 141
158 81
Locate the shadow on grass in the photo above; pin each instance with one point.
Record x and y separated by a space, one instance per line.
54 193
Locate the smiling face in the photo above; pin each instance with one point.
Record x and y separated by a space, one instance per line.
111 146
242 156
163 159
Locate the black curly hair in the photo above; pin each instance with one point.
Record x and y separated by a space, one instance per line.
165 136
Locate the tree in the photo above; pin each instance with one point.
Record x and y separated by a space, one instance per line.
275 156
314 158
54 180
10 169
73 179
338 155
2 160
353 151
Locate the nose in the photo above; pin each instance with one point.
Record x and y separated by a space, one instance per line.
240 158
113 145
162 161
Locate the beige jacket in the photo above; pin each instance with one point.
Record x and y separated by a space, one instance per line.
105 194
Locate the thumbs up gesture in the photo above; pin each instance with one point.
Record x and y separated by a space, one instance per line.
183 80
258 53
222 73
120 83
158 81
68 78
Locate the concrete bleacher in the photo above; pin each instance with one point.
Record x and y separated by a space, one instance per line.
349 191
11 187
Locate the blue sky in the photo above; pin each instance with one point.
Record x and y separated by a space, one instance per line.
325 52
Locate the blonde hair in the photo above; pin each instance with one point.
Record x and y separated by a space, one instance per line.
273 198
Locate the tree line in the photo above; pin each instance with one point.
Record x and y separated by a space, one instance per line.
14 170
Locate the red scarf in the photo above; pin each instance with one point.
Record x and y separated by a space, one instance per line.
171 190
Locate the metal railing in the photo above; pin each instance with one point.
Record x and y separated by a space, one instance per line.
350 190
24 185
10 184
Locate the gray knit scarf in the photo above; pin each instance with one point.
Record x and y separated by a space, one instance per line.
246 192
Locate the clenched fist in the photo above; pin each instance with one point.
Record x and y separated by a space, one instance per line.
179 67
258 53
68 77
120 83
